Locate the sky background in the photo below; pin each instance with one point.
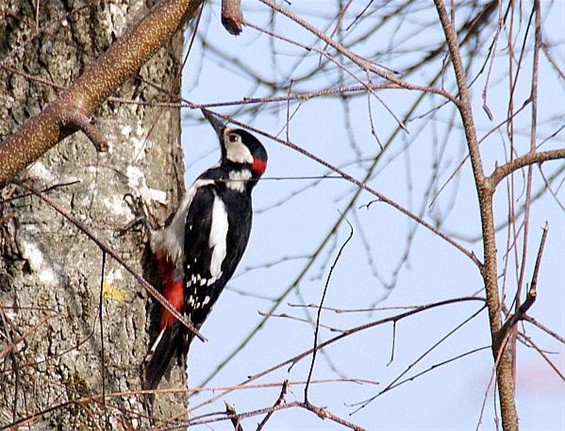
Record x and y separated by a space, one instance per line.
294 213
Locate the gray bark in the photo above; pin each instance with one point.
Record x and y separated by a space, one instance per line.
51 272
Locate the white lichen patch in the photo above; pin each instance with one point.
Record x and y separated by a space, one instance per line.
115 275
33 255
38 263
116 18
117 205
136 178
135 139
139 141
138 185
126 130
9 307
38 171
156 195
47 276
138 145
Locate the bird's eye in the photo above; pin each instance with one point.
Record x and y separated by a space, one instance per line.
234 137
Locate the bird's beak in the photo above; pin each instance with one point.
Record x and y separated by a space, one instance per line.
216 123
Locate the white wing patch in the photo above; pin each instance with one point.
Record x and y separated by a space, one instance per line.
218 237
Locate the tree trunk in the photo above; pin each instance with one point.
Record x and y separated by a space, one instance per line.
56 364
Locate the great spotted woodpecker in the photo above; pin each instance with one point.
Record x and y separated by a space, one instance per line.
198 252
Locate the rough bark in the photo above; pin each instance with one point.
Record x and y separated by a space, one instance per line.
50 272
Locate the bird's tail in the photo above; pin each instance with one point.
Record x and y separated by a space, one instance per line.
161 354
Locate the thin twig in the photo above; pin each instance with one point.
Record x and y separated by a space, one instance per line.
176 390
297 358
321 412
534 282
234 417
360 61
397 381
319 316
545 329
102 343
278 402
324 413
530 343
12 343
363 185
530 298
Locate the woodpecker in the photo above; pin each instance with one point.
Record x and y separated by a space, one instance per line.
198 252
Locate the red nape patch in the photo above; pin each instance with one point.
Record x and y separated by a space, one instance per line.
258 166
173 292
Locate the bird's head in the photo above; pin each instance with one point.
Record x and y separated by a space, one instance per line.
239 147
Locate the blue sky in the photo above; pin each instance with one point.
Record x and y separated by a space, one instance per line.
293 215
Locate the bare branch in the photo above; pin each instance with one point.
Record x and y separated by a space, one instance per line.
121 60
7 349
545 329
279 401
399 379
530 298
360 61
232 16
79 120
485 191
98 397
319 316
324 413
297 358
234 417
526 160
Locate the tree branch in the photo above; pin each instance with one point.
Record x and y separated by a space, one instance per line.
279 401
346 333
529 159
485 191
362 185
319 314
232 17
78 120
363 63
122 59
530 298
234 416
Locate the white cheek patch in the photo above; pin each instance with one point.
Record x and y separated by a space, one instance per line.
235 151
